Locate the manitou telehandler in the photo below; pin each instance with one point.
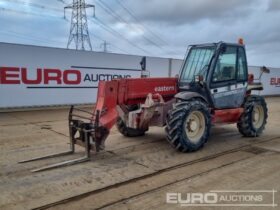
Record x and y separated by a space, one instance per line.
213 88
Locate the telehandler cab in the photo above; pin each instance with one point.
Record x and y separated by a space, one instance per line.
213 88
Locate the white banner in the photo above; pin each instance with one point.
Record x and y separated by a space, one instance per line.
271 81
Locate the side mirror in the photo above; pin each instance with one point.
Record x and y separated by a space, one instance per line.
143 63
264 70
144 72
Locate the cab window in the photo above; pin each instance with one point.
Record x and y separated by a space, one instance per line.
242 65
226 65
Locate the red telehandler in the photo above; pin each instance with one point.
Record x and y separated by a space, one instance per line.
213 88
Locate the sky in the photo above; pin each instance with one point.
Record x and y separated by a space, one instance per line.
160 28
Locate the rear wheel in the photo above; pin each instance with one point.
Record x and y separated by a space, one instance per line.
126 131
252 122
188 125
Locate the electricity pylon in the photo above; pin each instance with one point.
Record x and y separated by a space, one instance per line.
79 35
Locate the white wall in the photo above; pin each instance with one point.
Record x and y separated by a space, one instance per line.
88 64
271 81
176 66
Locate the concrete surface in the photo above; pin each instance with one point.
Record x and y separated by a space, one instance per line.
133 173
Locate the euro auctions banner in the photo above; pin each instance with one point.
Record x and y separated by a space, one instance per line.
56 78
38 76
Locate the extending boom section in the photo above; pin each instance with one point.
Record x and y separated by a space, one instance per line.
138 103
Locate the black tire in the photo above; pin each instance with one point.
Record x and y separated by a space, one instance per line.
245 124
126 131
176 125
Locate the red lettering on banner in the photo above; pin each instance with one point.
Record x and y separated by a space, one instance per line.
52 75
25 80
15 75
7 73
272 81
66 79
275 81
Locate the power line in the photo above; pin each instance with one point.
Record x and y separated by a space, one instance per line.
28 37
29 13
48 41
116 33
124 51
61 1
112 45
99 23
31 38
111 12
139 22
34 5
113 32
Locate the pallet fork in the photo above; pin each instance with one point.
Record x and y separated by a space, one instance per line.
86 139
88 129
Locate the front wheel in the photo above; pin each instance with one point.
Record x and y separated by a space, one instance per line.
252 122
188 125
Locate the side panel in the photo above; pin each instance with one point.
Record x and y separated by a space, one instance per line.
230 96
133 91
227 115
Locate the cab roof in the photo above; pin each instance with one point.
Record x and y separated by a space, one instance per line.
215 44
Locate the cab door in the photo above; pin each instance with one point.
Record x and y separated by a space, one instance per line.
229 78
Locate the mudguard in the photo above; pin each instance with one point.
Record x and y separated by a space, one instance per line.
188 95
255 86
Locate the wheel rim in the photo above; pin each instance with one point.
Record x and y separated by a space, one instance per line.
258 116
195 126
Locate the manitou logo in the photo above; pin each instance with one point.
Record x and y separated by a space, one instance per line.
15 75
275 81
164 88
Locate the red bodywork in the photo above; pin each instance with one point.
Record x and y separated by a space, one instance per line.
124 92
135 91
107 96
129 92
227 115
